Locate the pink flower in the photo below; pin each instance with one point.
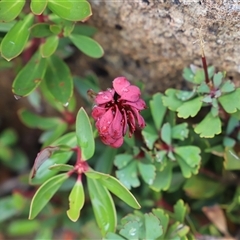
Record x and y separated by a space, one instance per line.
116 109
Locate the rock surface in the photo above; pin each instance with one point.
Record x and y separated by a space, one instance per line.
154 40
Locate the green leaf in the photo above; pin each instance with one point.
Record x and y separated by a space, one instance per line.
231 101
76 201
148 172
116 187
209 126
44 172
185 95
217 79
49 46
158 110
85 30
40 30
34 121
180 211
61 167
153 226
55 29
199 76
189 159
190 108
131 230
164 219
30 76
150 136
205 189
71 10
122 160
9 10
103 206
15 40
203 88
166 133
231 159
188 74
87 45
85 134
58 79
227 86
45 193
180 131
163 178
170 100
68 28
128 175
8 137
37 7
228 142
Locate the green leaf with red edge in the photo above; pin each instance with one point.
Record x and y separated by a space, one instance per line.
71 10
87 45
37 7
40 30
15 40
58 79
44 173
35 121
49 46
231 101
9 10
209 126
45 193
85 134
103 206
76 201
30 76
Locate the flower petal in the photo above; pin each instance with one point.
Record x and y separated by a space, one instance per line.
97 112
140 104
116 129
105 122
140 119
124 122
131 93
119 84
131 123
104 96
117 143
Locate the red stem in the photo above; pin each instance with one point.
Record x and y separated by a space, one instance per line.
204 63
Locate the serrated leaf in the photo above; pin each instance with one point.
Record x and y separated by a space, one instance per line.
71 10
76 201
166 133
180 211
87 45
150 136
163 178
35 121
185 95
217 79
40 30
158 110
180 131
103 206
227 86
153 227
49 46
199 76
209 126
37 7
231 101
58 79
188 74
164 219
206 188
122 160
189 159
85 134
170 100
30 76
148 172
231 159
15 40
128 175
131 230
9 10
190 108
203 88
45 193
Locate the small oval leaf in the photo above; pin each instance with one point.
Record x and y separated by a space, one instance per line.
103 206
49 46
40 30
37 6
85 134
15 40
30 76
76 201
45 193
87 45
